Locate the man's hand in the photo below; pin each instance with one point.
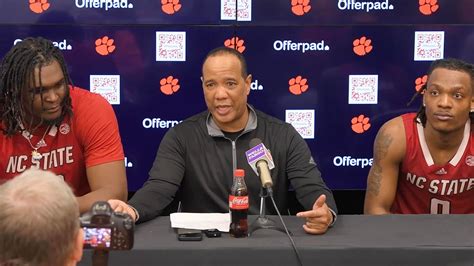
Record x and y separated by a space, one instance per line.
120 206
319 218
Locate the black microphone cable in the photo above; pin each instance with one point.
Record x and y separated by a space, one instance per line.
298 257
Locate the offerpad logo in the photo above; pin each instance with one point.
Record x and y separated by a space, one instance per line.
159 123
348 161
104 46
244 10
363 89
300 7
288 45
364 5
235 43
170 7
256 86
128 163
298 85
429 45
360 124
62 45
170 46
302 121
428 7
39 6
420 82
103 4
169 85
362 46
106 85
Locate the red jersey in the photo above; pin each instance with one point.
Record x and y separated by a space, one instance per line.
89 137
424 187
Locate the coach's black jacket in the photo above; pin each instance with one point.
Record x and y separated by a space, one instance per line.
197 159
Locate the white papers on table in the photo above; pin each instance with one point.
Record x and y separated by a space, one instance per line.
201 221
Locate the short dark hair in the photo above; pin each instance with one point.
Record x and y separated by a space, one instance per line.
17 71
227 50
451 64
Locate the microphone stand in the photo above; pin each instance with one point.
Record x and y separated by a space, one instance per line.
100 257
263 222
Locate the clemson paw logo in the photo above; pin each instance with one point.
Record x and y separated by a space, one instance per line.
300 7
39 6
362 46
360 124
298 85
235 43
420 82
170 6
428 7
169 85
104 45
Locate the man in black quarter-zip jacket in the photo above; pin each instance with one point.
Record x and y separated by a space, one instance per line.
198 156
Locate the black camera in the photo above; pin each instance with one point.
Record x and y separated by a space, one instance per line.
106 229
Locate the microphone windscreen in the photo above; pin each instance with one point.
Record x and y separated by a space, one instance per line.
254 142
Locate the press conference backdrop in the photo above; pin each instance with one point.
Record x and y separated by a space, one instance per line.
336 70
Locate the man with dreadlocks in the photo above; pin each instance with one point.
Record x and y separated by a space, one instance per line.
424 162
48 123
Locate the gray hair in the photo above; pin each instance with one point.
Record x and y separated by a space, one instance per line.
39 220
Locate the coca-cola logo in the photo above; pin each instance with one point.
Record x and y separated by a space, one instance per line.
238 202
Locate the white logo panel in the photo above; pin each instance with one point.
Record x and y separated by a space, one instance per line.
363 89
244 12
303 121
429 45
170 46
106 85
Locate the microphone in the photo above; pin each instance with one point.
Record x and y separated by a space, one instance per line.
261 161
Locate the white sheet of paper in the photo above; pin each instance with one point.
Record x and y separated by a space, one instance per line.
201 221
